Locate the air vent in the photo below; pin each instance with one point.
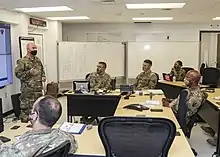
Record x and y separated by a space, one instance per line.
167 9
107 1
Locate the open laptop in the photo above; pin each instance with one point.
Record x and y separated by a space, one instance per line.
81 85
167 77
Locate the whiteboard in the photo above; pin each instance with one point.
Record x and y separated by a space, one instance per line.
76 59
162 54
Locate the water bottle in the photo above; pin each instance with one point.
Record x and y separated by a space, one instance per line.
174 78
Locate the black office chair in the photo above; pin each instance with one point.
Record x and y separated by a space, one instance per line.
61 151
113 83
16 104
187 69
211 77
181 114
136 137
158 78
87 76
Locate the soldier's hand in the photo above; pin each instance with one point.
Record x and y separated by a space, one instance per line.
34 71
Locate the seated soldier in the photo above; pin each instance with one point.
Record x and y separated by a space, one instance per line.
195 95
100 79
146 79
177 71
42 138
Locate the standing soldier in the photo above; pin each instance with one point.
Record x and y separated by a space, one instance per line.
30 71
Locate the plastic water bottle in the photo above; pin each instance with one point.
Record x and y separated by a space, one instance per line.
174 78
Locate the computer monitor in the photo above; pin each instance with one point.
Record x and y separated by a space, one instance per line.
1 117
126 88
79 85
92 105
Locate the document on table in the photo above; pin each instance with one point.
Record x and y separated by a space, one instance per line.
73 128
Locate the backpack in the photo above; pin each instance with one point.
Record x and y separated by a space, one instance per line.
52 89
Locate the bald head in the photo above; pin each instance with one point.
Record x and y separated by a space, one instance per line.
193 77
31 49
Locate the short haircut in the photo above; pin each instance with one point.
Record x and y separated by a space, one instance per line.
49 110
195 74
104 64
180 62
148 61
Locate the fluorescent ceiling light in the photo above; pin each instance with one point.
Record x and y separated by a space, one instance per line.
69 18
155 5
216 18
44 9
147 47
152 18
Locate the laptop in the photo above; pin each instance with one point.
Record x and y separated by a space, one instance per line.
167 77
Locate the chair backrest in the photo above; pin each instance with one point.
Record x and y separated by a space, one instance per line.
187 69
211 77
113 83
182 109
16 104
61 151
136 136
87 76
181 114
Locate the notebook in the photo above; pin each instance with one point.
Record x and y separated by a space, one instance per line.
73 128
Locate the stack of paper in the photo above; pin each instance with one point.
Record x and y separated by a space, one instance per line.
73 128
155 91
152 103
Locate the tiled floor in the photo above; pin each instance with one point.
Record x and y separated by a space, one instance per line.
197 141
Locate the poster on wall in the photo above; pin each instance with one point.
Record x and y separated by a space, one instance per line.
23 41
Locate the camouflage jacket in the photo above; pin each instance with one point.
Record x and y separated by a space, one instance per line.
29 82
99 81
194 101
180 75
146 80
35 143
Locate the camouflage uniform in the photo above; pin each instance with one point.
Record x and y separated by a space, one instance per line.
194 101
180 74
98 81
34 143
146 80
31 85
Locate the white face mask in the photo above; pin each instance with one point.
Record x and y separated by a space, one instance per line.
186 82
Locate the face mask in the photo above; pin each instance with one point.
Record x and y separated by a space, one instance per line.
34 52
186 82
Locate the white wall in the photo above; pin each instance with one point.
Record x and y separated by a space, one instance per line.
133 32
19 27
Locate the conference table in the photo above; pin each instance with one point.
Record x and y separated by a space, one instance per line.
209 112
90 144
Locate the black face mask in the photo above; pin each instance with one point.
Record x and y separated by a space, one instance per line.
34 52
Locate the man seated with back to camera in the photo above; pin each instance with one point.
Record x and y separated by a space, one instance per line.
146 79
100 79
195 96
42 138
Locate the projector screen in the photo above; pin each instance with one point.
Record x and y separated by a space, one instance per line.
5 55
